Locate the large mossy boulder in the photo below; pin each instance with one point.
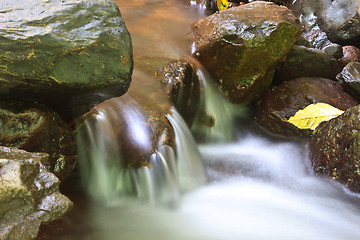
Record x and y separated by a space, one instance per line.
36 128
334 149
67 54
241 46
29 194
283 101
340 19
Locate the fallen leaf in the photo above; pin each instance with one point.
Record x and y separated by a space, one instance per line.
312 115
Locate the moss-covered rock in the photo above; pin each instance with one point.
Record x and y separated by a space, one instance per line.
334 148
29 194
241 46
68 54
36 128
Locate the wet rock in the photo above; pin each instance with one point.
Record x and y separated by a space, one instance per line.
334 50
350 54
334 149
135 124
283 101
29 194
241 46
316 39
338 19
182 85
67 54
350 78
36 128
307 62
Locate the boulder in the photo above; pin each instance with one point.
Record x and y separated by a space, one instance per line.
283 101
338 19
182 85
241 46
36 128
334 149
68 54
29 194
307 62
350 78
350 54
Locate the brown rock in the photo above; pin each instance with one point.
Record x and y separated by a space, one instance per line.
350 54
283 101
334 149
241 46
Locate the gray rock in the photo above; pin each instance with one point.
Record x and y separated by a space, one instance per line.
307 62
68 54
334 148
338 19
350 78
29 194
241 46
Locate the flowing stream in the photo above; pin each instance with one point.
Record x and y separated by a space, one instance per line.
257 187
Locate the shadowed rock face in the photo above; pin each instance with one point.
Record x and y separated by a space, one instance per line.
36 128
67 54
29 194
350 79
283 101
334 149
241 46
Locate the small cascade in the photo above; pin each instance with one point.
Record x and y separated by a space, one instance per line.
215 122
122 154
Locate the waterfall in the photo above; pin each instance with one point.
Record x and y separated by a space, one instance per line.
105 174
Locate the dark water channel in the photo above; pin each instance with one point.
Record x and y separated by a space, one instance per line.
258 188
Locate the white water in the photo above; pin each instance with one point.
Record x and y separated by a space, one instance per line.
258 190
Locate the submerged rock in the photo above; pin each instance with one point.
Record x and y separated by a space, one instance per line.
338 19
29 194
283 101
241 46
183 87
350 78
135 124
334 149
67 54
307 62
36 128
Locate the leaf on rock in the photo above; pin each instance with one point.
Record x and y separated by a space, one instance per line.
311 116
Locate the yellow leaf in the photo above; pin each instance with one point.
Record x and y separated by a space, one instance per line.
222 4
311 116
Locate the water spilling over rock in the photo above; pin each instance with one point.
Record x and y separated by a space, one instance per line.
134 146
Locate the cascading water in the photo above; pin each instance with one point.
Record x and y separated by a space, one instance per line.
104 156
